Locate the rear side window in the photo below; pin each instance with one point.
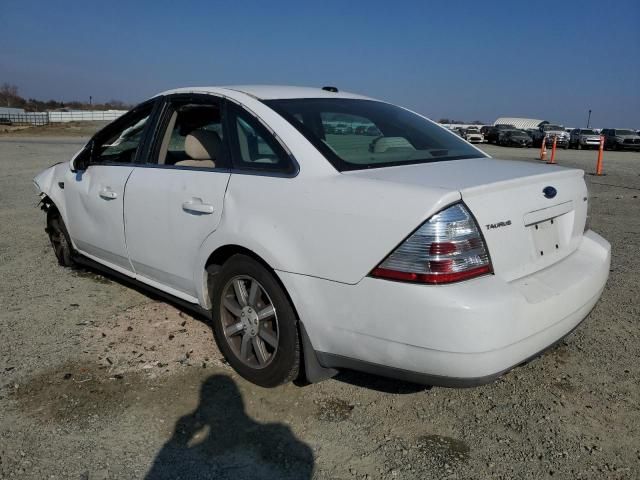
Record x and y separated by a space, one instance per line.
194 136
253 147
358 134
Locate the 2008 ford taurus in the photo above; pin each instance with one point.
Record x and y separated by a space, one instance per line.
322 230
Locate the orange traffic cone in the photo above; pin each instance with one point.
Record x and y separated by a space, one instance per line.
543 148
553 150
600 150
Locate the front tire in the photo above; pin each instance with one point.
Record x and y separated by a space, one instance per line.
254 324
59 238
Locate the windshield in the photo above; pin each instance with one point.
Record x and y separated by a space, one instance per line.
625 132
587 132
391 135
547 128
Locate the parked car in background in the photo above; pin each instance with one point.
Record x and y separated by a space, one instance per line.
5 121
473 135
494 132
531 132
302 248
485 131
340 129
621 139
514 138
584 138
547 132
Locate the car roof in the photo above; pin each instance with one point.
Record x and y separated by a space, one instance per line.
269 92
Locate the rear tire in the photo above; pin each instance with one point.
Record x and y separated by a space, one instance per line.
254 324
59 238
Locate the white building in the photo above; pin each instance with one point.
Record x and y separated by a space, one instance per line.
521 123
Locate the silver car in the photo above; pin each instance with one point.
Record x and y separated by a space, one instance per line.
584 138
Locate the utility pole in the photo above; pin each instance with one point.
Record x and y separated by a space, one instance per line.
91 98
589 118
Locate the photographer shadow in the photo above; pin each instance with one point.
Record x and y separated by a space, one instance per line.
219 441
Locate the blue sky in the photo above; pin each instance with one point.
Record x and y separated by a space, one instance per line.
464 60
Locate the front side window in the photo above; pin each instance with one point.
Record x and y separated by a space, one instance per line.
123 140
358 134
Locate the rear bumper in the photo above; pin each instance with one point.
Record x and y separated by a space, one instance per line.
456 335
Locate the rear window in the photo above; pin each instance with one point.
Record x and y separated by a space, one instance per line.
359 134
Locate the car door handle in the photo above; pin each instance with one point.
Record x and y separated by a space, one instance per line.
107 194
195 205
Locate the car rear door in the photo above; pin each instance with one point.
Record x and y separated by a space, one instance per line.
94 193
176 200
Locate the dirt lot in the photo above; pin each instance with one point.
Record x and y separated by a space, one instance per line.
98 380
66 129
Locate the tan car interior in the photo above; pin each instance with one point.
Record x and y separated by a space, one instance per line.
190 140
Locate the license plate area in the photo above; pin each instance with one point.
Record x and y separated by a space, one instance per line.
546 237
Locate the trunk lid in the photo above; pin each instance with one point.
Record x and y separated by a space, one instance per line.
531 215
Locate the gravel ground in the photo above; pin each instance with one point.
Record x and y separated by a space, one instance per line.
98 380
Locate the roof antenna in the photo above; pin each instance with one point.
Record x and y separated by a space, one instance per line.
330 89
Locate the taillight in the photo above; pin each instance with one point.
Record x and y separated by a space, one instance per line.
446 248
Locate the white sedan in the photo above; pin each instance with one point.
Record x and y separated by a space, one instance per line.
407 253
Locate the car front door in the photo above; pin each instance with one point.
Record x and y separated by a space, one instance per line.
95 190
175 202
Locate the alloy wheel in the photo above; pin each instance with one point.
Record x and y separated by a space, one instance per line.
249 321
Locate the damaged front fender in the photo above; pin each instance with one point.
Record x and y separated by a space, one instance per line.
49 185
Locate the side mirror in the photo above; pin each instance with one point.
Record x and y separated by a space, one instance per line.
81 161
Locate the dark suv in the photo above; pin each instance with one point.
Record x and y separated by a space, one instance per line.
621 139
494 133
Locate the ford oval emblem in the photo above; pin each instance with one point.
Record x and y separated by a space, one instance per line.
549 192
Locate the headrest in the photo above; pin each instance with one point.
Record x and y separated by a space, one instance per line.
383 144
202 145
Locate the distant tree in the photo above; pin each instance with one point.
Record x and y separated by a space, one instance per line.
477 122
444 120
9 95
116 105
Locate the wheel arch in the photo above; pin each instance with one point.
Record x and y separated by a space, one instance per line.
49 207
311 369
221 254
